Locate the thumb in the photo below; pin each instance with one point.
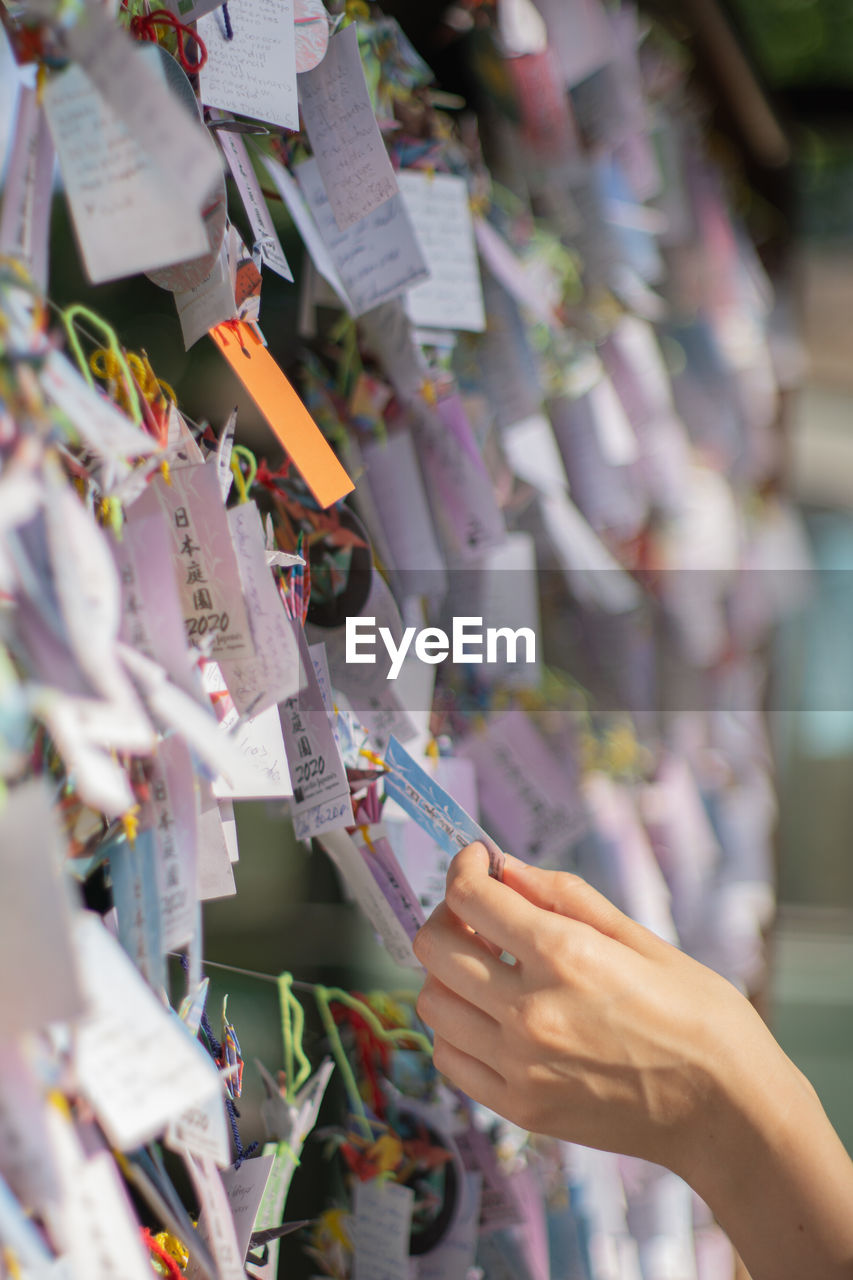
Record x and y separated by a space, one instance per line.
568 895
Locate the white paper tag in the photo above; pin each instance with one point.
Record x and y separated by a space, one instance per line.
135 1062
25 216
452 298
356 875
288 189
383 1223
343 132
203 1131
267 242
218 1230
36 939
252 73
378 257
215 869
127 216
245 1189
204 561
273 674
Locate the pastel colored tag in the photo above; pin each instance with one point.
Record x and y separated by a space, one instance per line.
425 801
284 411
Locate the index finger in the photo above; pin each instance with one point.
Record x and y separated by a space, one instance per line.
491 908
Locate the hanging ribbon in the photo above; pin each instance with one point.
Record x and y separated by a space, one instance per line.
144 26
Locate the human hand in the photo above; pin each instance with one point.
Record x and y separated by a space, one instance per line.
600 1034
604 1035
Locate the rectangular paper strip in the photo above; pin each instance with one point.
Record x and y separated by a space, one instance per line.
284 411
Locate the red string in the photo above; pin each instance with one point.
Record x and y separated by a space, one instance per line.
162 1255
144 27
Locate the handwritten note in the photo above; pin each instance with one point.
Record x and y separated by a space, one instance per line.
253 73
452 298
25 216
383 1222
127 216
267 242
131 82
378 257
313 757
245 1188
134 1062
524 793
216 1224
35 942
343 132
260 742
288 189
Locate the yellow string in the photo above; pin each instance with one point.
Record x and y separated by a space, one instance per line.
77 311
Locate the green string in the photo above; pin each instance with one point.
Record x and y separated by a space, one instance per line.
323 995
69 315
292 1028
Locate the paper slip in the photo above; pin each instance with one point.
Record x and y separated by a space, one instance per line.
215 870
101 1227
538 290
218 1231
372 902
25 213
387 334
254 72
261 744
273 674
378 257
26 1159
459 489
381 1230
131 83
134 1061
210 302
523 791
128 218
267 242
245 1189
316 768
203 559
381 861
424 862
136 895
580 34
532 451
288 189
452 298
152 619
172 810
455 1254
89 597
21 1236
343 132
291 422
36 941
203 1131
429 805
397 489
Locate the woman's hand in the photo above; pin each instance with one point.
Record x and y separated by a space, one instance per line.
604 1035
601 1033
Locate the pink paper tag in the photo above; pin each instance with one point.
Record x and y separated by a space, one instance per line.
203 560
526 797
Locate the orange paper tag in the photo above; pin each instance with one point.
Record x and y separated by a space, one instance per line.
284 411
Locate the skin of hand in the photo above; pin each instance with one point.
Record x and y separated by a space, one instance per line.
603 1034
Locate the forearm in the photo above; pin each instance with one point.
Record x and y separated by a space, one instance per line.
775 1173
